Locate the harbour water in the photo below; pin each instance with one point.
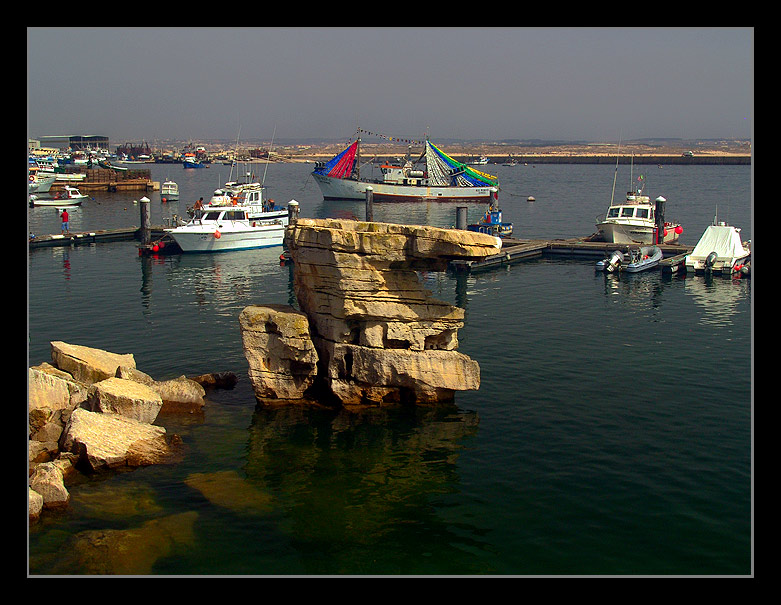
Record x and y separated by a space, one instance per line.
611 434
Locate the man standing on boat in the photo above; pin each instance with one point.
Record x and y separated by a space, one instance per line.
65 229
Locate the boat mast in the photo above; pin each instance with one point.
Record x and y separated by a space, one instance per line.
268 158
615 174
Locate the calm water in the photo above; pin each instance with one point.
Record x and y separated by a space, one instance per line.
612 432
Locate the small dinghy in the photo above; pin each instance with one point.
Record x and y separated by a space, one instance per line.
639 259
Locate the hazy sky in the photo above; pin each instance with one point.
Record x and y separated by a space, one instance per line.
134 84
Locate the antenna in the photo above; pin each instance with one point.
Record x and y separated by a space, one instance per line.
615 174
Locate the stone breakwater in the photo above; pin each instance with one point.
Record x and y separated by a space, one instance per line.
367 332
91 411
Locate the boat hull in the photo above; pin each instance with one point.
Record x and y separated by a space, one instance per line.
348 189
618 233
235 237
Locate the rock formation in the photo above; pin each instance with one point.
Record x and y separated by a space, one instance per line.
380 337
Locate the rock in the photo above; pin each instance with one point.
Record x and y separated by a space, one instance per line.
217 380
34 504
51 390
379 334
86 364
125 397
281 356
229 490
48 480
178 395
105 441
132 551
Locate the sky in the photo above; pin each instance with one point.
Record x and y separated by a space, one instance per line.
189 83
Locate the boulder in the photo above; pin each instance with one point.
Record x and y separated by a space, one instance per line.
105 441
47 479
34 504
178 395
125 397
281 356
86 364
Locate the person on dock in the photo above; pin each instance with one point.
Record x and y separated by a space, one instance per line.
65 219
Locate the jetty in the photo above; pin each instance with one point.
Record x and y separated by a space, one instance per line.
516 250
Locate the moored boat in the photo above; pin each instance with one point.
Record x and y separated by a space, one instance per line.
441 179
226 228
637 220
491 223
169 191
191 161
70 196
719 250
39 183
633 261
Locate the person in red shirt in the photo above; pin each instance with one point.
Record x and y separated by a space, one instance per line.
65 219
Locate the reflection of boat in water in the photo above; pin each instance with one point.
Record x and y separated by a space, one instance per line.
225 228
719 251
442 179
492 224
634 261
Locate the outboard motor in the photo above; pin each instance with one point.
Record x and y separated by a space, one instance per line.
710 260
615 260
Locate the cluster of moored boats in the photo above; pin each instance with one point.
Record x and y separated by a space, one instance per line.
237 216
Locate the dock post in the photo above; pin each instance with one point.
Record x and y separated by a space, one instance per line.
146 224
461 217
369 204
292 212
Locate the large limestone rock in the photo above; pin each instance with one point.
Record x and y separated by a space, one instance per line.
281 356
86 364
105 441
380 335
125 397
178 394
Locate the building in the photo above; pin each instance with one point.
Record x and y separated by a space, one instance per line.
76 142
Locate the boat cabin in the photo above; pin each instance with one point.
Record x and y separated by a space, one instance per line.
634 211
402 175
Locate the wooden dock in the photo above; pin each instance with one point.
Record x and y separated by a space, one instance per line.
517 250
91 237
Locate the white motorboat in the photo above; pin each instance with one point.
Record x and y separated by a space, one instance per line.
637 220
442 179
38 183
719 250
169 191
70 196
224 228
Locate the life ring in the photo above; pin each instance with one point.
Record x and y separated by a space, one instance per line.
32 178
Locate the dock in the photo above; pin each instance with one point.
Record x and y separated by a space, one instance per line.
517 250
91 237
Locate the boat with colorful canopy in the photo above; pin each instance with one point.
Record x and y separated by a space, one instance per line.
441 178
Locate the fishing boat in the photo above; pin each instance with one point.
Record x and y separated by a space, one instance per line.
719 250
441 179
491 223
225 228
482 161
169 191
39 183
190 161
633 261
70 196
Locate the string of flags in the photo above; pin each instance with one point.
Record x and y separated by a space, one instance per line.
389 138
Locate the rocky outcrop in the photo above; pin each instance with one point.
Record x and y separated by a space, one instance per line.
282 359
93 410
380 336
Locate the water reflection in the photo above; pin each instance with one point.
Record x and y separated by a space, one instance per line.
349 480
719 297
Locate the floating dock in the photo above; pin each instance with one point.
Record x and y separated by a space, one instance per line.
517 250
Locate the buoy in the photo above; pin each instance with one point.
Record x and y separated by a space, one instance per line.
155 248
217 235
679 229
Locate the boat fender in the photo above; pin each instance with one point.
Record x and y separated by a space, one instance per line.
710 260
217 234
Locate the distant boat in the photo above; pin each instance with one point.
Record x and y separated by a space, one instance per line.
39 183
640 259
482 161
718 251
169 191
190 161
441 179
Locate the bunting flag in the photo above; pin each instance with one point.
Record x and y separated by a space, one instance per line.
340 166
390 138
